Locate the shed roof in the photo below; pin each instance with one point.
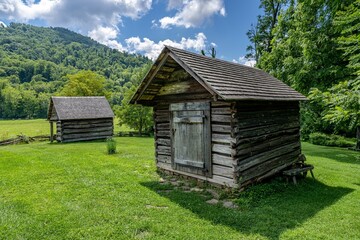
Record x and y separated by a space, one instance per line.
71 108
223 79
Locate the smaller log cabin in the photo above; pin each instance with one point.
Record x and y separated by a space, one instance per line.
80 118
218 121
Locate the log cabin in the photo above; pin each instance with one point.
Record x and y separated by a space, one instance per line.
218 121
80 118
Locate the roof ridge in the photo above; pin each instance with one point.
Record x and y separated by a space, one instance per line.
214 59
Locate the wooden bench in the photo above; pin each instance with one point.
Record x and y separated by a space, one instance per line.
301 170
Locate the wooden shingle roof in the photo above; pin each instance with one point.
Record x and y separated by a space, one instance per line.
224 80
71 108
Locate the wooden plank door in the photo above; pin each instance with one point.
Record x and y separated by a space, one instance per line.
190 127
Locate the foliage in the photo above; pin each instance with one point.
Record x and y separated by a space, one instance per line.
261 35
84 83
304 52
111 145
34 63
314 49
341 106
82 193
137 117
210 50
348 22
330 140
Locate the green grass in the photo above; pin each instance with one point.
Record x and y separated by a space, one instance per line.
35 127
78 191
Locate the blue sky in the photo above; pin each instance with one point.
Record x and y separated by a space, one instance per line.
144 26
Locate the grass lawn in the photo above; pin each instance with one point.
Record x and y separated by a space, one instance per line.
77 191
35 127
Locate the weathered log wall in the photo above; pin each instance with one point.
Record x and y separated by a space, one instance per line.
83 130
222 162
267 138
250 140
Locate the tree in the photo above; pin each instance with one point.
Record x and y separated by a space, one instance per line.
135 116
84 83
261 35
341 107
210 50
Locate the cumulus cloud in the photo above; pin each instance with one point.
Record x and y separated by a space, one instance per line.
106 36
78 15
152 49
192 13
243 60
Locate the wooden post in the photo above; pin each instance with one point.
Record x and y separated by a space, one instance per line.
51 131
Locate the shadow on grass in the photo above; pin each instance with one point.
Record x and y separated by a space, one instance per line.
334 153
278 210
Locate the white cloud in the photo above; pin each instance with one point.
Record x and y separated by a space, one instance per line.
192 13
152 49
25 11
106 36
244 61
79 15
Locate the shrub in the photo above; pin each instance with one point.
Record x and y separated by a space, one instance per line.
330 140
111 145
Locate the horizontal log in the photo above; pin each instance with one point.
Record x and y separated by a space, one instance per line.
223 171
163 149
164 158
265 137
162 118
162 111
223 149
262 130
248 123
87 135
163 141
251 149
222 110
267 166
90 125
162 126
227 119
86 130
222 160
276 105
265 156
222 138
82 139
88 121
218 128
266 114
163 134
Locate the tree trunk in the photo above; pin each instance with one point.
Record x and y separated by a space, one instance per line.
357 138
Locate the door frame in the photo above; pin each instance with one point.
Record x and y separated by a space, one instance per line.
205 107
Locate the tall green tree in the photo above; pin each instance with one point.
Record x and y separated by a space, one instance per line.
304 50
342 101
261 35
84 83
137 117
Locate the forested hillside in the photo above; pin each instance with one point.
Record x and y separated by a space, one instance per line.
36 62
